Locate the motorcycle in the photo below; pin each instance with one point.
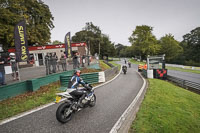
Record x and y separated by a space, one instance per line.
74 101
124 69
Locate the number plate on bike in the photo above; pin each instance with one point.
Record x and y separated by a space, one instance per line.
58 98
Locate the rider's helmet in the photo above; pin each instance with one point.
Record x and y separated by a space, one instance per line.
12 54
78 73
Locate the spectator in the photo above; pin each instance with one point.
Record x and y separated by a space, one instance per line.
78 60
50 63
75 61
54 62
58 65
63 62
13 63
47 63
2 71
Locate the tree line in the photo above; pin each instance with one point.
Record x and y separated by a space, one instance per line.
39 22
144 43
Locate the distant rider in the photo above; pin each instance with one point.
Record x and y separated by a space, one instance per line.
124 68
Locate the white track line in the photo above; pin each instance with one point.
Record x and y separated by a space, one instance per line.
118 124
47 105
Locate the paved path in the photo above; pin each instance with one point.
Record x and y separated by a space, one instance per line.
112 101
185 75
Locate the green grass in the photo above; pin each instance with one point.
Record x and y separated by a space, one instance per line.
183 70
136 62
115 64
27 101
114 59
168 109
103 65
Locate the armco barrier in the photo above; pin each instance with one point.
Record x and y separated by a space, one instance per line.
185 83
110 72
29 85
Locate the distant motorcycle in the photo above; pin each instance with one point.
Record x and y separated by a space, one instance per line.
72 102
124 69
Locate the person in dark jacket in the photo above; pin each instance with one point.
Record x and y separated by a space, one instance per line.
63 62
2 71
54 62
47 64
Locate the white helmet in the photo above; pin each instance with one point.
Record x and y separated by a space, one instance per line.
12 54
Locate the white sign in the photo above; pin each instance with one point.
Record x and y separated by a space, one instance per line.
8 69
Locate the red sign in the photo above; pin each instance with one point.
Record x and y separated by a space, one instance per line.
32 48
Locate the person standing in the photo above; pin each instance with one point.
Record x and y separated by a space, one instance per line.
58 65
2 71
50 63
63 62
75 61
13 63
78 60
83 60
54 62
47 63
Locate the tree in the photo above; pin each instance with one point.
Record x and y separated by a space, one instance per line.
144 42
170 47
57 42
38 21
92 35
118 48
191 45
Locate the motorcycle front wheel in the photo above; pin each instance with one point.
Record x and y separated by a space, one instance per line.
92 101
64 113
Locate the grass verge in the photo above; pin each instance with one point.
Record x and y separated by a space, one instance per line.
27 101
168 108
183 70
115 64
103 65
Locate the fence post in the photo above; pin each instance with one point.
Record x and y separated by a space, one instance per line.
183 84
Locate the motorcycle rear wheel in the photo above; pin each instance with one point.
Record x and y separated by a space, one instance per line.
64 113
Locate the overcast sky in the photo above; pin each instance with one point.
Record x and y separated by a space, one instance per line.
118 18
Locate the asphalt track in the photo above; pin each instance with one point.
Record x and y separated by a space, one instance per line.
185 75
112 100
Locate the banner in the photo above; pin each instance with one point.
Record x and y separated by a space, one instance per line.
68 49
21 45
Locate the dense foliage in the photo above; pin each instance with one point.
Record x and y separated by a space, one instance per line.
38 21
191 46
96 41
144 42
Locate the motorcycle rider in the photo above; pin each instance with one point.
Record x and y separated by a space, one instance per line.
124 68
74 83
129 64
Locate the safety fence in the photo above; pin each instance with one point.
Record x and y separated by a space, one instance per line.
29 85
185 83
95 77
15 89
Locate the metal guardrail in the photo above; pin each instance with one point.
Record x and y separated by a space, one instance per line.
184 83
